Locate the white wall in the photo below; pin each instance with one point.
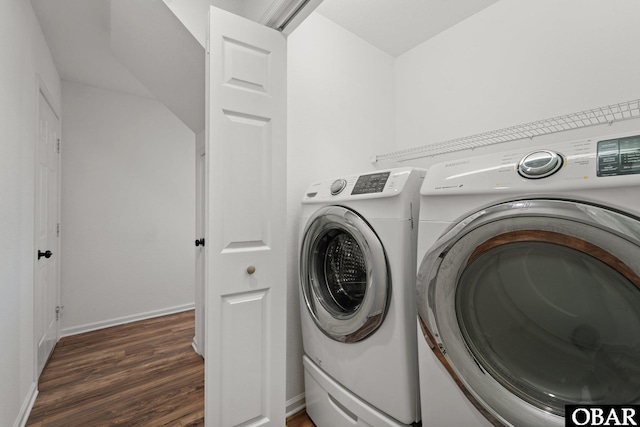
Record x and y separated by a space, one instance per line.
340 112
24 55
128 209
517 62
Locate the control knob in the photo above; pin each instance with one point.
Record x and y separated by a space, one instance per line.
337 186
540 164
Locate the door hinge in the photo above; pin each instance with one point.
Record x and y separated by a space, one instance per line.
411 215
58 310
58 230
58 145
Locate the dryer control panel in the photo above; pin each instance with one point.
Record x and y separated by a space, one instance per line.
560 166
620 156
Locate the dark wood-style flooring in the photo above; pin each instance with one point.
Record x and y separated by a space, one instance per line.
140 374
301 419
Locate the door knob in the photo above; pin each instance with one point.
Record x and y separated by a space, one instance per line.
46 254
200 242
251 269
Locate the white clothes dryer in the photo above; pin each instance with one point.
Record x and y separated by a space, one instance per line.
528 288
357 275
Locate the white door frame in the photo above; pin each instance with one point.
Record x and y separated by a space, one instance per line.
44 92
201 260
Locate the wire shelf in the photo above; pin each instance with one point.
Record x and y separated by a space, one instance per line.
597 116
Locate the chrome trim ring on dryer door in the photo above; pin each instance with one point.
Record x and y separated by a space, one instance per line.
536 305
344 274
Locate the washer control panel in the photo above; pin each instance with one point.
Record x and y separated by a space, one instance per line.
619 156
372 183
540 164
383 183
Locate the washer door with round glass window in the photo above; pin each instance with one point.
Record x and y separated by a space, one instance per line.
534 305
344 274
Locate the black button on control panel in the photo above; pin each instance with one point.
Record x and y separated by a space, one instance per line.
373 183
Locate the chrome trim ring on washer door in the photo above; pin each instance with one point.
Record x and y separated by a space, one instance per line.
344 274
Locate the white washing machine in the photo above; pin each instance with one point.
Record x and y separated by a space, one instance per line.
529 284
357 275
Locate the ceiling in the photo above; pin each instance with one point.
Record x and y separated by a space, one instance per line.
397 26
79 32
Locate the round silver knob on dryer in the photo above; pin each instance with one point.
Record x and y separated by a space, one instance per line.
540 164
337 186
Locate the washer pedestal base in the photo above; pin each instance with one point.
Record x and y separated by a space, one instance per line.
331 405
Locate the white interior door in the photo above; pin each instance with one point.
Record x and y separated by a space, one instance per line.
245 235
46 232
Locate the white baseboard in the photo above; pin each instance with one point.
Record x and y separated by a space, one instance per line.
296 404
194 344
25 411
125 319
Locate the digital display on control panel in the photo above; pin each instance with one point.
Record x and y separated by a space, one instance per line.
373 183
619 156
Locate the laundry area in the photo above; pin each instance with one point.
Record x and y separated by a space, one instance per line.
511 112
405 213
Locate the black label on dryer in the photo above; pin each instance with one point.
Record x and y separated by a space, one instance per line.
619 156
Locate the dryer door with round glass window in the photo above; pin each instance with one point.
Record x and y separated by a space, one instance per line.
536 305
344 274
